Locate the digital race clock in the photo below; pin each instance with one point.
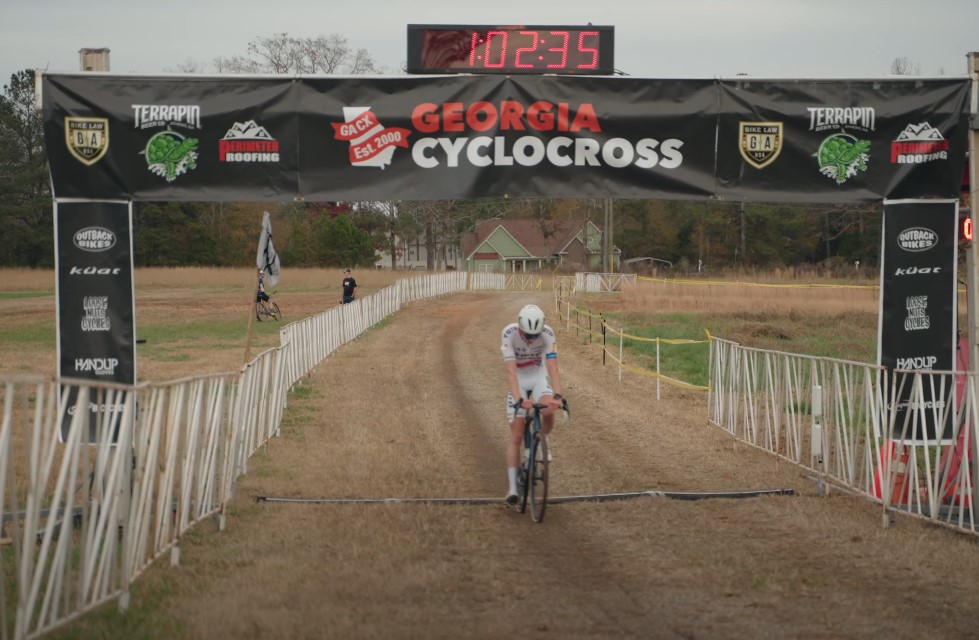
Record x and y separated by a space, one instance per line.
510 49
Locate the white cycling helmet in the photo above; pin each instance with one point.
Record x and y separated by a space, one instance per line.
531 320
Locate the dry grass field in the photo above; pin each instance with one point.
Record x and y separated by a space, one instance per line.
414 409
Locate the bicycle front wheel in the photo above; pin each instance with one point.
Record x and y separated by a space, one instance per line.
538 478
274 311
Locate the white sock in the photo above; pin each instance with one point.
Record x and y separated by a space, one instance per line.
512 475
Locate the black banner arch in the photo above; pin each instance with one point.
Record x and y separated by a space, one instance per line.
268 138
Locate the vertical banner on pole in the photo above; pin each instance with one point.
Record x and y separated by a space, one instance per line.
918 317
96 303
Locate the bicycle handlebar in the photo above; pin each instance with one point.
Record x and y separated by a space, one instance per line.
540 406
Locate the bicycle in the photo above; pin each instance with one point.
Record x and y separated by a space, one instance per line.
532 477
268 309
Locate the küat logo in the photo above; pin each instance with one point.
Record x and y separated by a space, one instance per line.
94 239
95 271
248 142
919 143
916 239
918 271
456 134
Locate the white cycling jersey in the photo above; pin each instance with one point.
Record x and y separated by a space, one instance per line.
530 355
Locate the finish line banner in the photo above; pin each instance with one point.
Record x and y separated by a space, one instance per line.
240 138
918 316
96 302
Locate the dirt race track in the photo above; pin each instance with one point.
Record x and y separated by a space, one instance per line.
415 408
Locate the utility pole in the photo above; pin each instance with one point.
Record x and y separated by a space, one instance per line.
972 258
608 251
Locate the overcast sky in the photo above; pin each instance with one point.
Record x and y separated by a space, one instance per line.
653 38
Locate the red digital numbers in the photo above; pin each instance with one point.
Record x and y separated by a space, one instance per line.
510 49
534 50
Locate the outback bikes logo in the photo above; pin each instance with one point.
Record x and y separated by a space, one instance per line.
917 239
842 154
372 144
248 142
168 153
94 239
87 138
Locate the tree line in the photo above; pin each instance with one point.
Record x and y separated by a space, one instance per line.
721 235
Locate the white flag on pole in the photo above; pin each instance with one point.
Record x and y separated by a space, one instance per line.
268 259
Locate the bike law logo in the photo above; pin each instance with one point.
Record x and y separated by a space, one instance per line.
761 142
87 138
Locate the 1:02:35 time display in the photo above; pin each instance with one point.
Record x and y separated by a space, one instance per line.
531 49
522 49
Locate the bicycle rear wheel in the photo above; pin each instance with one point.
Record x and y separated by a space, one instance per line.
538 478
261 310
274 311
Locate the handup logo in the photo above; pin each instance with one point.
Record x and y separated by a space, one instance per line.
917 239
371 143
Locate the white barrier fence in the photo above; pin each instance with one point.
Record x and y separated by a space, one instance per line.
835 418
82 521
597 282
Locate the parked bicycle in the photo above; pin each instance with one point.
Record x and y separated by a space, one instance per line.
267 309
532 478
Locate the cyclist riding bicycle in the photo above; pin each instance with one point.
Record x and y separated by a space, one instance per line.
261 296
530 356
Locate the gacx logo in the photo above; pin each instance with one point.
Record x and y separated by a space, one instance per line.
94 239
917 239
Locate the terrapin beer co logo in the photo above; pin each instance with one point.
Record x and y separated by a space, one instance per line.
168 153
371 144
761 142
87 138
919 143
842 155
248 142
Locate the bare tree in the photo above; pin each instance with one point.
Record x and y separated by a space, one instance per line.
285 54
904 66
188 65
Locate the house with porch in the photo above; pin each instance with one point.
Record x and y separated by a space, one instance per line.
528 245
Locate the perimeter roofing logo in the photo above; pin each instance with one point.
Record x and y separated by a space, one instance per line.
248 142
842 155
761 142
87 138
371 143
919 143
168 153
